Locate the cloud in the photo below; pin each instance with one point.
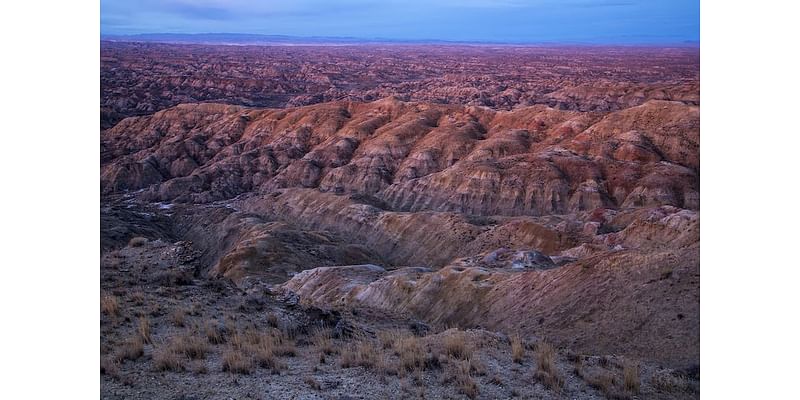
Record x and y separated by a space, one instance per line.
497 20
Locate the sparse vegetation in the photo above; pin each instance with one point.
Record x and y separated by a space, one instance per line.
285 345
272 319
144 329
388 338
359 353
178 317
190 345
166 359
131 349
547 373
517 349
214 333
137 241
455 345
264 355
312 383
630 377
137 297
411 353
463 380
109 366
604 382
668 383
235 361
321 338
109 305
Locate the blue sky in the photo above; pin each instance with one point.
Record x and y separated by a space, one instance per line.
587 21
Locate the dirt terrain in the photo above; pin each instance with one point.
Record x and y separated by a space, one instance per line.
142 78
359 225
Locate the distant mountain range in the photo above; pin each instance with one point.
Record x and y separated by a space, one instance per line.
258 39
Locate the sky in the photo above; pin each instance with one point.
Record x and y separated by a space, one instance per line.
513 21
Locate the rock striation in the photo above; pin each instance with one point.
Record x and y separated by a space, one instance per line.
414 157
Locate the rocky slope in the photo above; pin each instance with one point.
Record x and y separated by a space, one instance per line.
414 157
576 228
143 78
638 297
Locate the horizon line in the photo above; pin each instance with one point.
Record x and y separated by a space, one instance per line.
153 37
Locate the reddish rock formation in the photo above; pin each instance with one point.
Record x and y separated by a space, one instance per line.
143 78
415 157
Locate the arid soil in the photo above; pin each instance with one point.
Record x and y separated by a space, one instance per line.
407 240
142 78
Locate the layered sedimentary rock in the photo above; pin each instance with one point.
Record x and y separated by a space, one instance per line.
414 157
638 297
143 78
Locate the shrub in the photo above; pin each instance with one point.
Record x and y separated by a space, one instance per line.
455 345
144 329
466 385
109 366
190 345
137 241
322 341
630 377
668 383
411 353
517 349
272 320
178 317
131 349
545 357
165 359
214 333
359 353
310 381
547 373
603 382
236 362
109 305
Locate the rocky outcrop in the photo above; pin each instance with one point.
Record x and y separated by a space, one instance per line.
143 78
641 304
414 157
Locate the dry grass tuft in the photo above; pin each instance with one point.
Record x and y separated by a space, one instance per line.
264 355
604 382
109 305
165 359
192 346
272 319
411 353
547 372
109 366
455 345
178 317
214 332
311 382
285 345
463 380
668 383
630 377
322 341
144 329
138 297
200 368
517 349
263 348
388 338
545 357
235 361
359 353
138 241
131 349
